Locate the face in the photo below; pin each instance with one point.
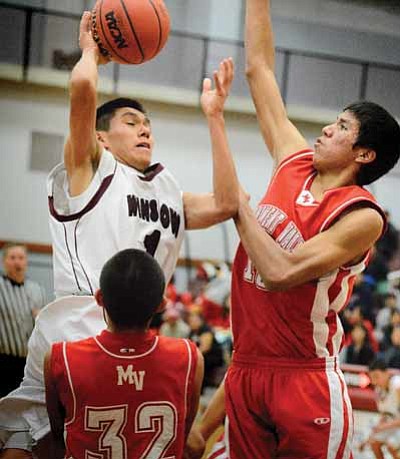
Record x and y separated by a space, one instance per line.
334 148
15 263
379 378
129 138
358 335
395 337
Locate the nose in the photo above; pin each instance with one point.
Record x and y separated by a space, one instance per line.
327 130
144 131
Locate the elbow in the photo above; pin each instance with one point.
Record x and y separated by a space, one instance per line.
278 281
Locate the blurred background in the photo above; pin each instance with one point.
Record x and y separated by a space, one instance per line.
330 53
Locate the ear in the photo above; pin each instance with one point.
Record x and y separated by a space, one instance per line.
98 295
101 136
365 156
162 305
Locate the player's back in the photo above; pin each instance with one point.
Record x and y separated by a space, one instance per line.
126 394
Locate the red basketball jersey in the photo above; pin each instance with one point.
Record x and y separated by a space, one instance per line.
126 396
301 322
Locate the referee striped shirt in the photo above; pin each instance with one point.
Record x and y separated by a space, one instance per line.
17 302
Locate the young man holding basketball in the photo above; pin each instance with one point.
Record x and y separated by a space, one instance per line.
295 269
150 385
104 198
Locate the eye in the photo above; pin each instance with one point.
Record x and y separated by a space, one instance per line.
343 126
131 124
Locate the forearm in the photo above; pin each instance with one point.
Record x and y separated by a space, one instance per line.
270 260
259 39
214 415
85 73
225 181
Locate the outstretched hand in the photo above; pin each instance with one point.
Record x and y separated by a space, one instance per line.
86 40
213 99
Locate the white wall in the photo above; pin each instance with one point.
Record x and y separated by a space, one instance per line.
182 145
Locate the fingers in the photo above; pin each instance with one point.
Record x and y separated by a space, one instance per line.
85 22
224 76
206 84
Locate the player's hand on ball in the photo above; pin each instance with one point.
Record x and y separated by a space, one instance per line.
213 99
86 41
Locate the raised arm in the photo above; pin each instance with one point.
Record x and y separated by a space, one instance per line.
82 152
204 210
280 135
347 241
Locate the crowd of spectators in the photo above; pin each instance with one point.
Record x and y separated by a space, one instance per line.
372 320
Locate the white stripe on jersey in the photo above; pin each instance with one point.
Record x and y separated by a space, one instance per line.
319 313
71 386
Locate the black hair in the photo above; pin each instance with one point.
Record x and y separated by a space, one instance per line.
132 284
105 112
378 364
380 132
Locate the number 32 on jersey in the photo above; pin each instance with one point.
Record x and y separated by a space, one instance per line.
156 418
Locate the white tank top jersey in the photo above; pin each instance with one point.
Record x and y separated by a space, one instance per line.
122 208
388 401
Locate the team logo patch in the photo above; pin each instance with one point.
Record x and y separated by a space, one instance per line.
305 198
321 421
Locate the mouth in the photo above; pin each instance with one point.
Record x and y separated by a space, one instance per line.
145 145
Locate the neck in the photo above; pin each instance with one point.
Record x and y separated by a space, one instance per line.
333 179
18 278
114 329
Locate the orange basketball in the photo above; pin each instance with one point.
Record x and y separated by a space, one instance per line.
130 31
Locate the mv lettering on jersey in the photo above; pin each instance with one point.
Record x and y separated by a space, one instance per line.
129 376
151 210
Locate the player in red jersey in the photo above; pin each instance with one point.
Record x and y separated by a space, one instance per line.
295 268
126 393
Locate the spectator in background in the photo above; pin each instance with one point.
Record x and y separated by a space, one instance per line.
392 355
384 316
387 331
204 337
387 431
173 325
388 244
355 317
20 302
359 352
377 270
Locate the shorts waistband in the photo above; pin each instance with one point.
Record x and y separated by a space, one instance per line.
254 361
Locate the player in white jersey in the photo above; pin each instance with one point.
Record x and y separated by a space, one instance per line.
387 432
104 198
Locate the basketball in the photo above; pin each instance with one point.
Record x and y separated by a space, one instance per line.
130 31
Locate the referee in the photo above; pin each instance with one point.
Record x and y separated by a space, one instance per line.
20 301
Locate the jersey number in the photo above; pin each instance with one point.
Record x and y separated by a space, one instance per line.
157 418
250 275
151 242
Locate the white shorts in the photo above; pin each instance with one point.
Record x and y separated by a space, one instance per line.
65 319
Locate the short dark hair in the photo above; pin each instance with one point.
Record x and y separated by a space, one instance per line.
10 245
132 284
105 112
380 132
378 364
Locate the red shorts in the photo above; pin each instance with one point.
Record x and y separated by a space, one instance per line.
287 409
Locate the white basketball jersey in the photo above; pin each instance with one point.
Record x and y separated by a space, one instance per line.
122 208
388 401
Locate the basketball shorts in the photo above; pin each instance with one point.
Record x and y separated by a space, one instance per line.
287 409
